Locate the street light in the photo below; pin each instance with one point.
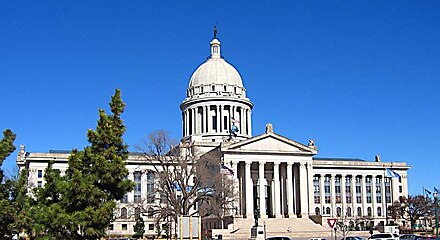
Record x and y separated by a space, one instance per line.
436 213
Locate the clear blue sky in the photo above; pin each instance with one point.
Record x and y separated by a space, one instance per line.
360 77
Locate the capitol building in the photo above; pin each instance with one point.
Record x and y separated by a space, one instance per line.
292 188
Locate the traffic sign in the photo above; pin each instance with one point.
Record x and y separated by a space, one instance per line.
331 222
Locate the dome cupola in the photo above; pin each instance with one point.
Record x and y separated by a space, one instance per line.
216 77
216 107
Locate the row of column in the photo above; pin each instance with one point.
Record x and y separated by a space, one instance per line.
353 193
284 191
198 120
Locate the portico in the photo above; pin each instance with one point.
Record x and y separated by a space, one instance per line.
272 175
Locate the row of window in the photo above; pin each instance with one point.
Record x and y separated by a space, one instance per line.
138 188
348 190
213 88
137 213
124 227
326 211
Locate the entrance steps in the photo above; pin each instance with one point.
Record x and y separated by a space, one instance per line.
292 227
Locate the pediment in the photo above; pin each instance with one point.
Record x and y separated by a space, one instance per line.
270 143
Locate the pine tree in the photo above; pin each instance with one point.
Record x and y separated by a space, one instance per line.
80 204
139 228
7 210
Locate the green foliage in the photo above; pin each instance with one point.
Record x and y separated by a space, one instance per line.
6 148
80 204
8 212
139 228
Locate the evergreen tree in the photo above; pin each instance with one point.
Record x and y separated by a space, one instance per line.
80 204
139 228
7 210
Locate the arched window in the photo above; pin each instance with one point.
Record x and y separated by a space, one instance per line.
124 212
327 211
359 212
317 211
338 211
369 211
137 212
379 211
349 212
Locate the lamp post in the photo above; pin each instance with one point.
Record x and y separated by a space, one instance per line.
436 213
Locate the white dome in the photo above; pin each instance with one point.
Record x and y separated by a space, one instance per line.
216 77
216 71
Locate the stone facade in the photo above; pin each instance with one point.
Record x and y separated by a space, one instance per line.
278 176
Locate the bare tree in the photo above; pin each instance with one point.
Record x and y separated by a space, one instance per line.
346 224
186 183
411 208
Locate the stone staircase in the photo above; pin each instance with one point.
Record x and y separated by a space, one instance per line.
293 227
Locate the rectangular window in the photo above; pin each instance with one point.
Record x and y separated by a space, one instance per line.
150 227
387 190
124 227
39 184
378 191
400 189
316 190
358 181
348 189
368 188
338 189
150 187
40 173
138 186
327 189
110 227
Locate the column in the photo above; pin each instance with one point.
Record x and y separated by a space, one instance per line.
310 195
343 199
262 182
245 117
209 119
195 120
203 119
364 196
384 201
185 121
276 181
130 195
353 195
322 192
236 203
332 195
217 109
373 196
289 187
241 118
249 122
249 191
220 111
